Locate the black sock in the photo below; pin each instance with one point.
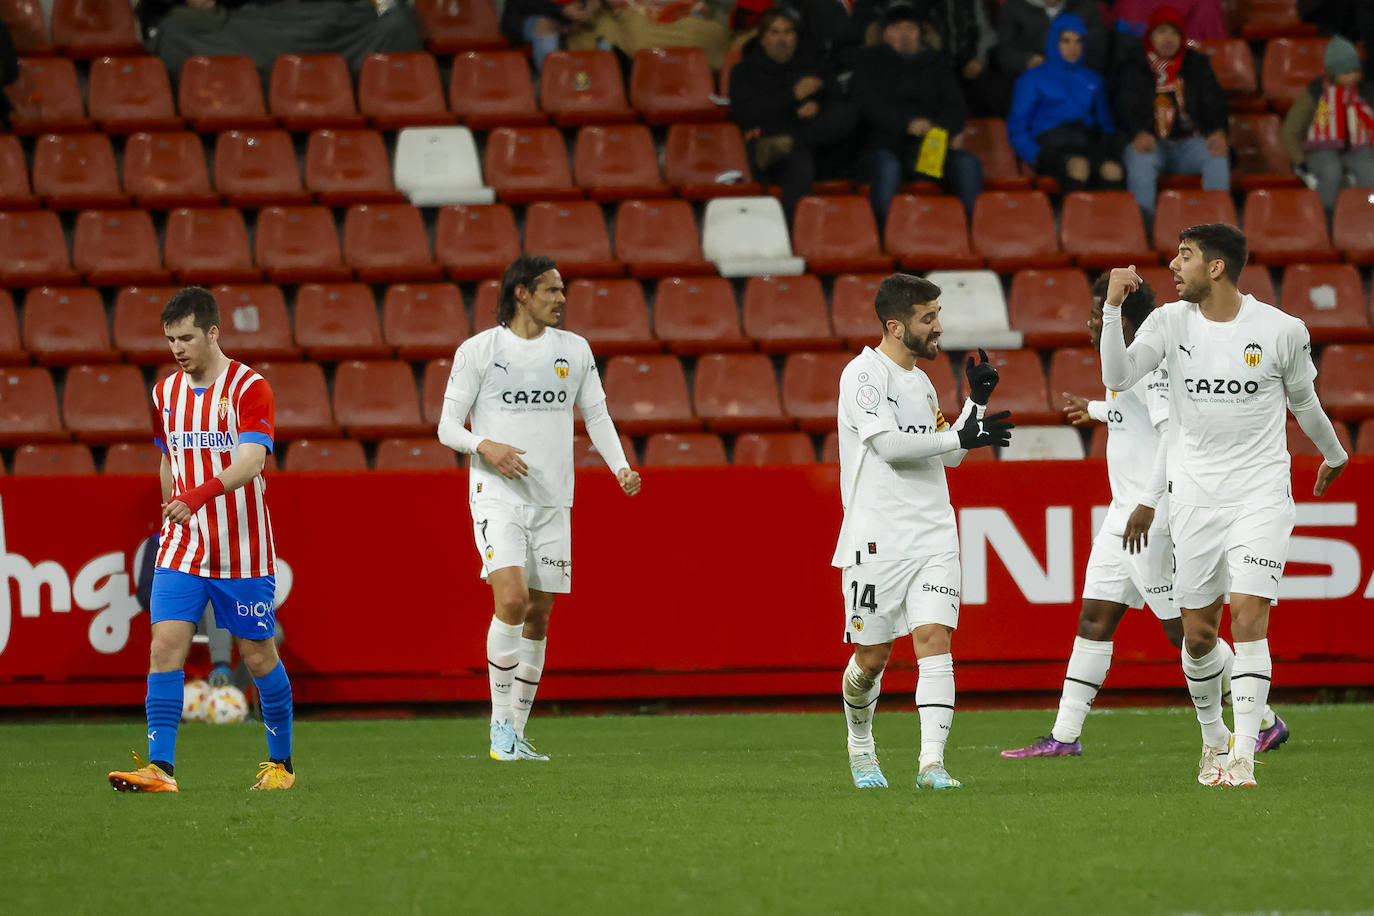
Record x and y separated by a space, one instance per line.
284 761
164 766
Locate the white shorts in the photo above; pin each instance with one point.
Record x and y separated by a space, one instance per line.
884 601
537 538
1220 549
1133 579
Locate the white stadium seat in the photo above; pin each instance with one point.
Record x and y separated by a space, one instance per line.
747 237
973 311
1043 443
436 166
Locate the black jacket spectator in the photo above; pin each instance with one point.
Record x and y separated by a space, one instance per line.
1023 24
891 90
834 30
1204 101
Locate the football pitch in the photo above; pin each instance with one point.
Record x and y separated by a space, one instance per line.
747 813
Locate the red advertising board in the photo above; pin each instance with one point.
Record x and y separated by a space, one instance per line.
712 582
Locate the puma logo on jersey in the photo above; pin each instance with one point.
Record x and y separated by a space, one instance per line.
893 400
504 367
1188 350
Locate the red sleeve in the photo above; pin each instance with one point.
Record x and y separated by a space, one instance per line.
256 413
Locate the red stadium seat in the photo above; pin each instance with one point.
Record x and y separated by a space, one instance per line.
762 449
299 245
137 458
1344 381
28 408
167 170
1329 298
58 458
424 321
1260 159
612 315
377 399
618 162
830 448
342 455
1352 225
86 29
684 450
659 238
301 400
837 235
484 305
76 172
138 324
1255 280
1265 19
15 193
585 454
11 349
674 85
698 315
345 167
787 313
118 248
527 165
338 321
929 233
258 169
1075 370
104 404
253 323
432 389
428 454
1015 230
310 91
1103 229
1290 64
476 242
987 139
47 98
222 93
810 387
583 87
1299 446
573 233
28 26
209 246
697 156
1286 226
129 94
402 90
387 243
1233 65
493 89
1022 387
1364 444
66 325
852 310
1050 307
33 250
459 25
1177 210
648 394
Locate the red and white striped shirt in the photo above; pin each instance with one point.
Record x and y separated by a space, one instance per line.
231 536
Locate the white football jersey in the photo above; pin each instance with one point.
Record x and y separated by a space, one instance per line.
1228 399
890 512
1133 437
522 393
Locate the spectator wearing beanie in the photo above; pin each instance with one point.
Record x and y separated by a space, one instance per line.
1329 131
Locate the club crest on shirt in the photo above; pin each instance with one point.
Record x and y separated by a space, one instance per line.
561 367
857 623
223 408
1253 354
868 397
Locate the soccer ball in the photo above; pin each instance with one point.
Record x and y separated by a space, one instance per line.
227 704
195 701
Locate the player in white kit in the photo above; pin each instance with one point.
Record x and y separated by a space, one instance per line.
519 382
1234 363
898 545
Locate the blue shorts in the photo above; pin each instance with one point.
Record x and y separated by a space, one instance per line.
244 607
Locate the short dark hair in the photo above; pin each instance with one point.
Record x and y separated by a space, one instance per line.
523 271
1220 241
774 13
900 293
194 302
1137 306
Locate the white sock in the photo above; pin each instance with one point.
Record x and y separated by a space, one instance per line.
527 672
1087 670
1253 668
1267 721
1226 671
503 647
860 703
935 705
1204 686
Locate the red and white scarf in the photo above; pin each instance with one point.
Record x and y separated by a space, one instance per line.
1343 118
1168 91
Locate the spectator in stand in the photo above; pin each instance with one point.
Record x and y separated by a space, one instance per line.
1172 107
1203 20
839 29
789 109
9 73
1023 24
1329 131
904 92
1353 19
1060 123
541 23
966 35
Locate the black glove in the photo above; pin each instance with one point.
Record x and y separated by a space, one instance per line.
993 429
982 378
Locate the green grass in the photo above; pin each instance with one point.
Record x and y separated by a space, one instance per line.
690 814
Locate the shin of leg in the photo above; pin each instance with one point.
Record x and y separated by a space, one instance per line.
537 620
510 594
171 641
1249 618
931 639
964 174
872 659
884 174
1099 619
1173 631
1200 628
260 655
1326 166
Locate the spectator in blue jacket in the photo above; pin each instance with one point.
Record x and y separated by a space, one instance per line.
1060 122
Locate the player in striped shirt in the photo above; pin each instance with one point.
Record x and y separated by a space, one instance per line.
214 426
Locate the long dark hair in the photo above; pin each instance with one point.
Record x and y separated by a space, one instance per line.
523 271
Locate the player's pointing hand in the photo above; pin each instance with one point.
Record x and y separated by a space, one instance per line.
982 378
629 480
1121 282
505 458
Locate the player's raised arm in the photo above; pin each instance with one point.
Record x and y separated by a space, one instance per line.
1299 375
1122 367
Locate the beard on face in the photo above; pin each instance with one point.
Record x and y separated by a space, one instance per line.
921 346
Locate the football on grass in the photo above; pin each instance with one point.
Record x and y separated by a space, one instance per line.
227 704
195 701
